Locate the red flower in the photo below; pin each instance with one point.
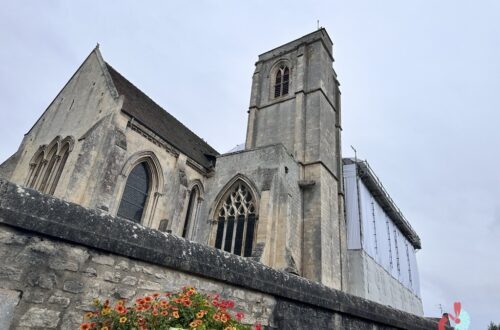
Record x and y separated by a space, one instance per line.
258 326
240 316
85 326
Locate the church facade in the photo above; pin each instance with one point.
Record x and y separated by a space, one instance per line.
105 145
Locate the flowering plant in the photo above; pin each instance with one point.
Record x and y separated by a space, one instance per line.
187 309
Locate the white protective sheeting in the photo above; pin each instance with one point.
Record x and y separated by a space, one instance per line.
377 234
351 207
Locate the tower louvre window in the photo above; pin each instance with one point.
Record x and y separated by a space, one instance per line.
236 221
281 81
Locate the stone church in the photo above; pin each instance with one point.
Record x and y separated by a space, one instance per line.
280 200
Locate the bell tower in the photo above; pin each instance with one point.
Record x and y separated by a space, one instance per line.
295 101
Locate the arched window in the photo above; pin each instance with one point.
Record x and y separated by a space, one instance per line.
48 164
191 211
236 220
51 161
281 81
136 193
61 158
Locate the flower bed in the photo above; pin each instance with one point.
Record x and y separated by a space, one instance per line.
187 309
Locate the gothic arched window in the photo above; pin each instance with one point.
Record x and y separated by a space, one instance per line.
136 193
191 211
35 168
281 81
236 218
62 157
48 164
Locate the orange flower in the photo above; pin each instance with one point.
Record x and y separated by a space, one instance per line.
104 328
155 312
139 301
123 319
175 314
195 323
164 313
200 314
224 318
120 309
156 294
106 311
148 299
216 317
88 315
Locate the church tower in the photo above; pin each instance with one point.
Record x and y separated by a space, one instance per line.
295 101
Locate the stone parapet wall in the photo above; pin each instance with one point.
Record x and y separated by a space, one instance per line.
57 256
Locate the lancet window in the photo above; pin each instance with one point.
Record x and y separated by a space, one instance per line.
136 193
48 164
281 82
191 211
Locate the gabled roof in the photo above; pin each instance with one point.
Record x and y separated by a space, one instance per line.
148 113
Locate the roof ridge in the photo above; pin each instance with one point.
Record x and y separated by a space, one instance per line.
153 101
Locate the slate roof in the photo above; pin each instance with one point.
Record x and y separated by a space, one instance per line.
148 113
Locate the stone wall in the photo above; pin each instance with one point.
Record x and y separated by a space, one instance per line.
57 256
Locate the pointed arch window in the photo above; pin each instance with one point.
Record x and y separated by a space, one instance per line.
136 193
236 220
191 211
281 81
47 167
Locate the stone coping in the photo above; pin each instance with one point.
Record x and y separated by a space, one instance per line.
32 211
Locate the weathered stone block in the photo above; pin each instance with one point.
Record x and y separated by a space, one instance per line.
8 302
35 297
59 300
62 264
40 318
43 280
91 272
124 293
71 320
112 277
129 280
10 273
122 265
149 285
73 286
103 260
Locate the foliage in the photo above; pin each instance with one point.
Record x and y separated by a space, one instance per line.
493 326
187 309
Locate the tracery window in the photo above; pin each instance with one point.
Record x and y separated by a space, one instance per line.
136 193
281 81
47 167
236 220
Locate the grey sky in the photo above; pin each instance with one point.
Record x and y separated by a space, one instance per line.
420 83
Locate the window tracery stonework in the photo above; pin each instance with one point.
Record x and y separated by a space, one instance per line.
236 221
281 81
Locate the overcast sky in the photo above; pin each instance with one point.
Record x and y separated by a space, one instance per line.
420 87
